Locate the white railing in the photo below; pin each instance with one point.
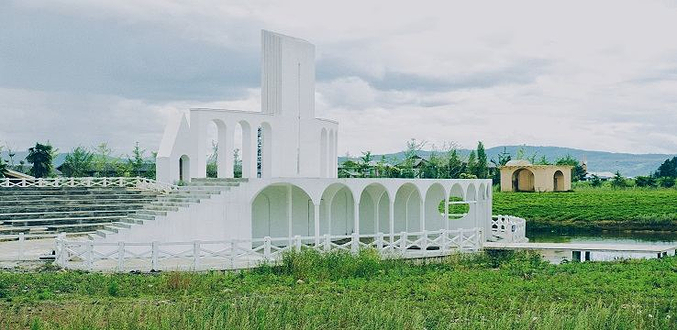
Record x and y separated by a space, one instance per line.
16 248
507 228
239 254
133 182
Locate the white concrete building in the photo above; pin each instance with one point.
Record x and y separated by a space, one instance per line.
289 193
294 144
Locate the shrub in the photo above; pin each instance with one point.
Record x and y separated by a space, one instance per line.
666 182
177 281
113 289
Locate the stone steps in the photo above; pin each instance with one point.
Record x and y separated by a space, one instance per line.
69 192
80 201
51 210
185 196
73 228
70 208
6 217
58 221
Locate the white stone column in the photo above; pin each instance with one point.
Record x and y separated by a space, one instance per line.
249 150
377 216
225 152
446 213
356 215
421 215
316 216
198 158
290 222
391 219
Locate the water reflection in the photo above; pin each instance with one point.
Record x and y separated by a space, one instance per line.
605 237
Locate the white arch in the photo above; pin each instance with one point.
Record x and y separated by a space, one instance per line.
408 208
184 168
338 212
435 197
471 193
457 191
374 209
282 210
482 192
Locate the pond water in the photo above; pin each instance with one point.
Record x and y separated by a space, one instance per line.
643 238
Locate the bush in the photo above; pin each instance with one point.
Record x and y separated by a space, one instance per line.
312 264
177 281
113 289
666 182
645 181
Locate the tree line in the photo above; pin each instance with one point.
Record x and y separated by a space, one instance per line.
446 163
82 162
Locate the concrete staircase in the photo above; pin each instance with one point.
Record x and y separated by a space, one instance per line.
52 210
186 196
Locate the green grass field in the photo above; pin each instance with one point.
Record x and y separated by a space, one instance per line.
340 291
593 209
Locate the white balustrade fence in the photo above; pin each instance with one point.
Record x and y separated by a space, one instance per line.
23 247
239 254
134 182
507 228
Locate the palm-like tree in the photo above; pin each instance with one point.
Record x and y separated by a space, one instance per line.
41 158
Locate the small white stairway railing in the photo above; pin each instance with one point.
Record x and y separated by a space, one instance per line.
125 182
506 228
239 254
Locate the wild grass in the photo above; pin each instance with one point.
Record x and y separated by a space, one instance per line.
310 290
593 209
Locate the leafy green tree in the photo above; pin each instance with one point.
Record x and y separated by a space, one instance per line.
3 165
103 163
414 148
349 169
595 181
646 181
471 166
467 176
431 168
577 172
78 163
455 165
382 167
237 163
212 161
501 159
136 162
22 166
481 170
151 173
41 157
542 161
521 153
364 165
666 182
667 169
618 181
3 168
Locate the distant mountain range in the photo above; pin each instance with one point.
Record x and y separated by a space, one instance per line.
598 161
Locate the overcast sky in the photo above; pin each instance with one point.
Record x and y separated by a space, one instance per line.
596 75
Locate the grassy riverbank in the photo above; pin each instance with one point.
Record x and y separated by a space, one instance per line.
593 209
339 291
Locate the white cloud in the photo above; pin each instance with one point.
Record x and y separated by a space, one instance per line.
597 75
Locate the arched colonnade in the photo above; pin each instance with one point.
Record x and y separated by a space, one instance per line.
307 208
